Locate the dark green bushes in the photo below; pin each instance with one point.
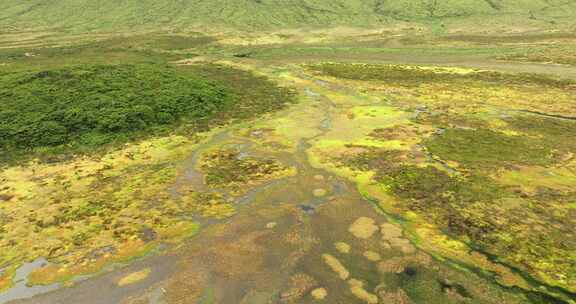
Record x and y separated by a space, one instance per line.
252 94
95 105
79 108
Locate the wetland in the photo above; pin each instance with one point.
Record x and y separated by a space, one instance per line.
182 169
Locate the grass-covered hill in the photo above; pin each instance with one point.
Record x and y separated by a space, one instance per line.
272 14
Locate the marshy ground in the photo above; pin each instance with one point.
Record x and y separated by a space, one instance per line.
339 174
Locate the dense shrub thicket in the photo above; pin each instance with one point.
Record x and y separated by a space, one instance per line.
92 105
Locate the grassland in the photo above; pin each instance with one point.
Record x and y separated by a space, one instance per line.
109 15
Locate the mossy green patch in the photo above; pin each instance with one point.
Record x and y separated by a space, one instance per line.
530 179
453 96
371 159
484 149
229 168
554 131
441 197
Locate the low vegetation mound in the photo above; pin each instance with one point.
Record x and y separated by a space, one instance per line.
409 76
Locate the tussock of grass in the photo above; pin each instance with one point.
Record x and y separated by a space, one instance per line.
229 168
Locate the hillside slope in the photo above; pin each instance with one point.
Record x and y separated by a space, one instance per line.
268 14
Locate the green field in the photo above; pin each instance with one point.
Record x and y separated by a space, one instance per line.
272 14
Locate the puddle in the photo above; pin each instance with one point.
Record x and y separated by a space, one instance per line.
20 289
309 92
156 296
307 208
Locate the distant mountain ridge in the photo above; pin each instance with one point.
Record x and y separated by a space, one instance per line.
269 14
